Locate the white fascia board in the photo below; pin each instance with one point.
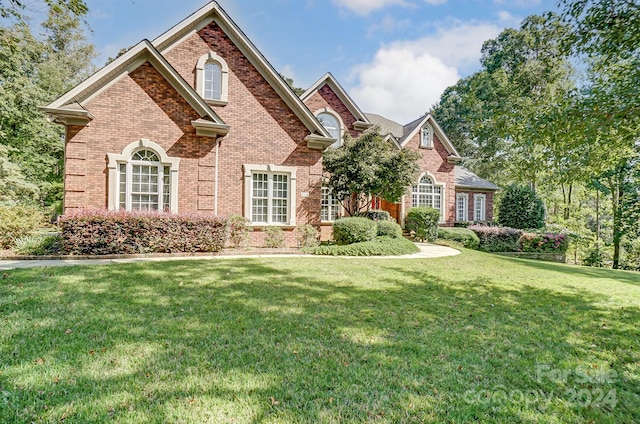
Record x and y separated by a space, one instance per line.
344 97
213 12
441 136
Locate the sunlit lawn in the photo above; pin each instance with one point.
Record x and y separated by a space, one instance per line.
474 337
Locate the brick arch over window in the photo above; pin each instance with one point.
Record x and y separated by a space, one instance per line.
156 174
212 78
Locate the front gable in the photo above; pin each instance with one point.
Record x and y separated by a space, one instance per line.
210 31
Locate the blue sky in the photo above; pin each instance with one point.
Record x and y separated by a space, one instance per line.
395 57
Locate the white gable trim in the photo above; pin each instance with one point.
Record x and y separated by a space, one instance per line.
333 83
213 12
131 60
441 136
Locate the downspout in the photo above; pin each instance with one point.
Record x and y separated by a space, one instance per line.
215 189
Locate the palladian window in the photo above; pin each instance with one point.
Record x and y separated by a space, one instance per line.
427 194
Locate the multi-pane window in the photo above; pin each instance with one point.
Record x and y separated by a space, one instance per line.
426 194
329 206
269 198
462 207
212 81
332 125
144 183
480 206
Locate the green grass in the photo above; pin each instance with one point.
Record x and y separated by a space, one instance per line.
320 340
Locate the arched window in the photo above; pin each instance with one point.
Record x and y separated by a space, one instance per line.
212 78
332 125
427 194
426 136
143 178
212 81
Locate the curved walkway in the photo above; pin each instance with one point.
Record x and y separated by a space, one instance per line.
426 251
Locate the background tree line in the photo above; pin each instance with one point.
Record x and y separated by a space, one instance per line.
556 106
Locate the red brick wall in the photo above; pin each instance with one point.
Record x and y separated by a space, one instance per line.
327 98
139 105
434 160
264 130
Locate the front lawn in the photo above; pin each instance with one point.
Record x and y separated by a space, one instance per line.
473 337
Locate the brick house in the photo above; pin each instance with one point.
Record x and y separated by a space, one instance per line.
197 120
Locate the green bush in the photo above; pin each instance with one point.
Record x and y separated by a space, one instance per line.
38 245
376 215
238 231
100 232
273 237
521 208
308 235
423 223
389 229
464 236
17 221
497 239
596 257
380 246
354 230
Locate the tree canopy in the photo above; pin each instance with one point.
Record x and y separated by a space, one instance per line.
368 166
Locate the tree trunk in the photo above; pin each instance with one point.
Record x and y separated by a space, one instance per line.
616 192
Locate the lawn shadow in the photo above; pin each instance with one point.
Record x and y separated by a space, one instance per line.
258 340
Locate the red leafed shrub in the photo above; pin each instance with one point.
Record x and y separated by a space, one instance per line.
100 232
497 239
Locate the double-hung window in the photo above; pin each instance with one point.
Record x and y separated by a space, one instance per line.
270 194
480 207
329 206
462 207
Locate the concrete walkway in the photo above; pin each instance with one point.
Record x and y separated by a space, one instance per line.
426 251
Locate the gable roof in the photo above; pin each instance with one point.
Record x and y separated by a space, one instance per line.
404 133
319 137
467 179
328 79
69 108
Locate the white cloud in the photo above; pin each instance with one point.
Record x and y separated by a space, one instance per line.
364 7
402 84
406 78
435 2
508 20
389 24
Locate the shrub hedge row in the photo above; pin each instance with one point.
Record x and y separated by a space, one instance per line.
497 239
380 246
464 236
354 230
544 243
99 232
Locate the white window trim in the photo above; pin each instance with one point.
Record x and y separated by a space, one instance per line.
335 114
249 169
426 144
443 192
465 216
125 157
483 210
224 78
340 207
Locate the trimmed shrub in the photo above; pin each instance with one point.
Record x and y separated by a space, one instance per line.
273 237
389 229
38 245
17 221
376 215
380 246
423 223
99 232
308 235
521 208
544 243
497 239
596 257
238 231
354 230
464 236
